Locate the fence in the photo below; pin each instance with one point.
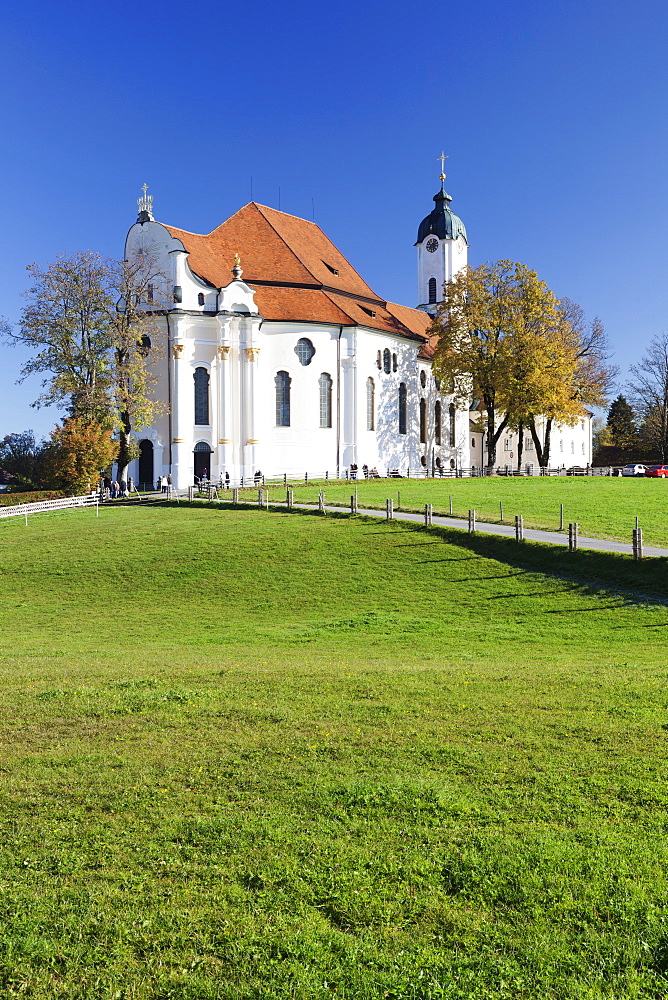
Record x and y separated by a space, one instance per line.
46 506
473 472
471 518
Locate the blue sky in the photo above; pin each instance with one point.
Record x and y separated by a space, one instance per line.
553 115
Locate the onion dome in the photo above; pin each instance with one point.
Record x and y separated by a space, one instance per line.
441 221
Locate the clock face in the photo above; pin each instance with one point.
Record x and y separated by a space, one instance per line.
432 245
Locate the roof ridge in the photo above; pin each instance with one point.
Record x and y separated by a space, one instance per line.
283 240
326 237
258 204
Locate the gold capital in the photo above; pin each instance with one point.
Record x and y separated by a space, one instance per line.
252 353
224 352
178 350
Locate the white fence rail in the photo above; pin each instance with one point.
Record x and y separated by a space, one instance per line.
44 506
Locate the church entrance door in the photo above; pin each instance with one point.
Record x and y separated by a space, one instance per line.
146 465
202 456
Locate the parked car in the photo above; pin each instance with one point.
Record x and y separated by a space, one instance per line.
658 471
634 470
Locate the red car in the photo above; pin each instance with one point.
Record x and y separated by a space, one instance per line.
659 471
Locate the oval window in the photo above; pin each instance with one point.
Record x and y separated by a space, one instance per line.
304 351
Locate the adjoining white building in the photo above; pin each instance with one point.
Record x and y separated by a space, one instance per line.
293 364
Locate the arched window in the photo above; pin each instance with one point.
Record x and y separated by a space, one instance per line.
432 290
423 378
451 412
325 384
282 381
201 378
200 298
387 361
394 363
423 421
437 422
402 408
304 351
370 405
379 361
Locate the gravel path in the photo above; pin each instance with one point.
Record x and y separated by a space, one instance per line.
508 531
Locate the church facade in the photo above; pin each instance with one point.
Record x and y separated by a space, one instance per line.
291 364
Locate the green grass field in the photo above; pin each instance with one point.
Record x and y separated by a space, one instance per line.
603 507
258 754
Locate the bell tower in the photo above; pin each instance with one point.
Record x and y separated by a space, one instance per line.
442 248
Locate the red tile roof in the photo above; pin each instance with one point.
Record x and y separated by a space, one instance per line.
296 272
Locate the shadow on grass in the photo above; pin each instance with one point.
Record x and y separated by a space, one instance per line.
642 581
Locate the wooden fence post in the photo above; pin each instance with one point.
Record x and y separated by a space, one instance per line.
353 504
389 509
637 543
572 536
235 495
471 521
519 528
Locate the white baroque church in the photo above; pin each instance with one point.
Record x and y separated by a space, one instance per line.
293 364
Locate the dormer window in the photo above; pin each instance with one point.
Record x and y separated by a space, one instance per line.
369 312
333 270
200 298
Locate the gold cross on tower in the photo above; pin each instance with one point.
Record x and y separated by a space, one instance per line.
442 158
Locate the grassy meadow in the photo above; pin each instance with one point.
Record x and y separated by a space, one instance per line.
604 507
270 754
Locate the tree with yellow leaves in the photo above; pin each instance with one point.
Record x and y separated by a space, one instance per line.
76 453
508 342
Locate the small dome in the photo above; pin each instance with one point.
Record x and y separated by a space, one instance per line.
441 221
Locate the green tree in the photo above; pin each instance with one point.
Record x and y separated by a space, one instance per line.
19 454
66 324
622 423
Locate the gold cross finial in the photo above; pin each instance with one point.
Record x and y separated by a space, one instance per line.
442 158
145 203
